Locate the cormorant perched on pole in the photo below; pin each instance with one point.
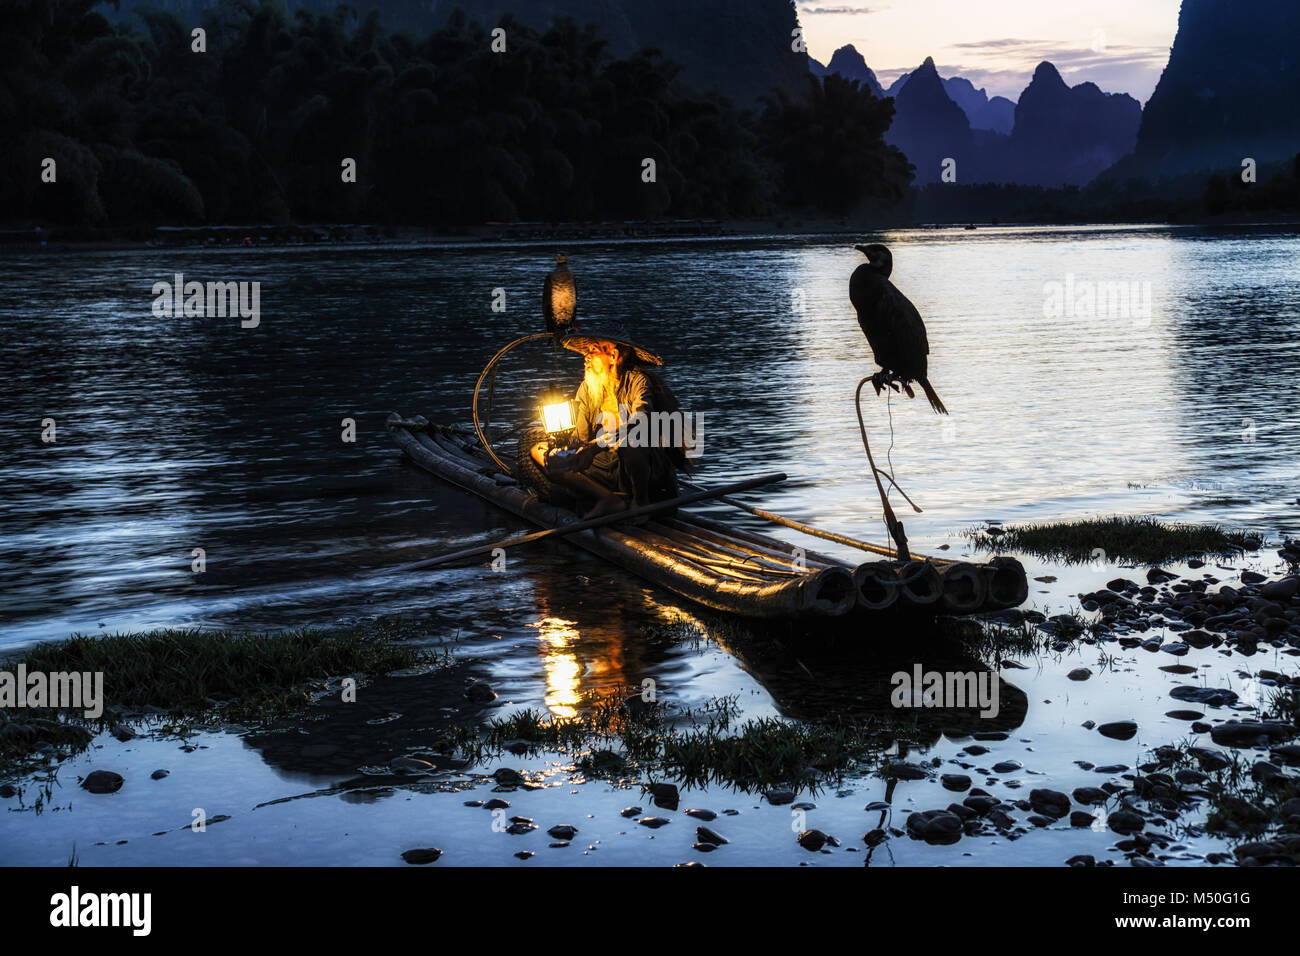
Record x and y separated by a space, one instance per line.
559 298
892 325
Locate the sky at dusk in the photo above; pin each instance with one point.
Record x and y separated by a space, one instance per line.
1121 45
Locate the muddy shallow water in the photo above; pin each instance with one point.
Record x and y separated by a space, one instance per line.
189 433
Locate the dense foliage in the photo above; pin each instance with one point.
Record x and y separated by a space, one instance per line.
443 130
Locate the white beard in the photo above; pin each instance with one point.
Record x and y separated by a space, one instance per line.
598 386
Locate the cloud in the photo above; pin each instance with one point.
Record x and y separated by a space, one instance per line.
806 11
1029 53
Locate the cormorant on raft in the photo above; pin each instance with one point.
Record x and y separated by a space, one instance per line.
893 327
559 298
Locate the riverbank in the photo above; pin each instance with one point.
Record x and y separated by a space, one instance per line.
1213 780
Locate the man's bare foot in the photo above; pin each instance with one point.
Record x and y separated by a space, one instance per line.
608 505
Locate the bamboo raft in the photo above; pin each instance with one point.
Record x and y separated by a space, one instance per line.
721 566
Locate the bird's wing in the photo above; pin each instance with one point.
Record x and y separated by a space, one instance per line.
546 301
910 344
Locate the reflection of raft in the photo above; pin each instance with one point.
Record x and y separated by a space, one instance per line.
723 567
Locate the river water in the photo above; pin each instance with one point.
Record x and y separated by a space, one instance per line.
184 433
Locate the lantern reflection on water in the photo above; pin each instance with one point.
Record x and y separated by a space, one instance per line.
562 668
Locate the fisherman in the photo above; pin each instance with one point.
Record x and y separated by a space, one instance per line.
607 465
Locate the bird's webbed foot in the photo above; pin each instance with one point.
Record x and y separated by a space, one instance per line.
885 378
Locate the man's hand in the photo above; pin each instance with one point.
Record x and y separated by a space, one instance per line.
584 456
579 459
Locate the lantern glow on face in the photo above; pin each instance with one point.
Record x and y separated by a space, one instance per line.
557 417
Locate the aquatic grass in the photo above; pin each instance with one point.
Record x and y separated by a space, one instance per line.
1239 806
994 641
769 751
711 749
246 677
1284 704
1127 540
991 641
195 669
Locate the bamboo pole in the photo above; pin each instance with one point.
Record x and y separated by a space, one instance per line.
650 509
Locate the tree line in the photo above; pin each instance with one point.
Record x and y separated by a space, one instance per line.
144 130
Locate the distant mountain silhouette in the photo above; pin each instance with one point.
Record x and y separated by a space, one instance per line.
848 63
1056 135
1231 90
997 114
1067 135
930 128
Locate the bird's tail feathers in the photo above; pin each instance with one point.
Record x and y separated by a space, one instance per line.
930 393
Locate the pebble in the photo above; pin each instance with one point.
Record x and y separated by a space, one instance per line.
1209 760
779 797
981 804
1051 803
1090 795
697 814
410 765
1210 696
1079 673
481 692
1119 729
936 827
630 812
1081 818
904 771
496 803
102 781
562 831
705 835
1249 733
421 855
1288 754
507 777
654 823
664 795
1125 822
159 774
957 782
814 840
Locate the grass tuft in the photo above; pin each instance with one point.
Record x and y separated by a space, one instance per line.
246 678
1142 540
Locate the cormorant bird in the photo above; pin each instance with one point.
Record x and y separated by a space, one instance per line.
892 325
559 298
